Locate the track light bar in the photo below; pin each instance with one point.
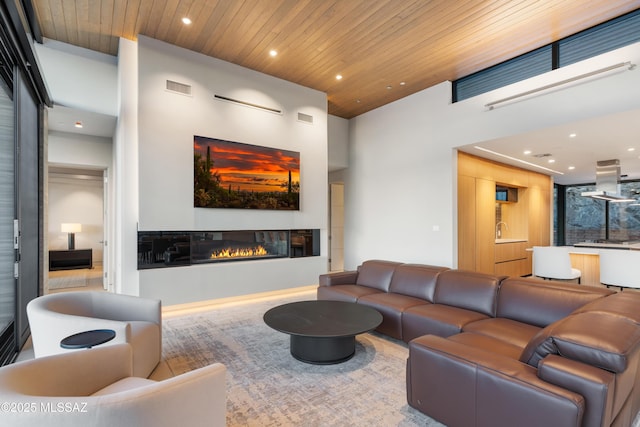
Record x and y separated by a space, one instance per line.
620 65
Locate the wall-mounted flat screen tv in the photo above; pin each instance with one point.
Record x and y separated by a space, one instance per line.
235 175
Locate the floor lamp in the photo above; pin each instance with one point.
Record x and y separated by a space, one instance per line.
71 228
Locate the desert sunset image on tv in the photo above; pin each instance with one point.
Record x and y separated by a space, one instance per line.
235 175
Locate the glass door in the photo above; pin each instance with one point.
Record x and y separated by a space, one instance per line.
7 215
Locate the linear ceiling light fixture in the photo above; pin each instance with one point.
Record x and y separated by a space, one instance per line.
495 153
247 104
617 67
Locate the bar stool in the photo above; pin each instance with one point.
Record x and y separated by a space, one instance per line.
620 268
554 263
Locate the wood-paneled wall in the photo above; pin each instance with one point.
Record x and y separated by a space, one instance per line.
528 219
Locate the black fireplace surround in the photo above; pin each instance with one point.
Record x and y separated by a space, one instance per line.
159 249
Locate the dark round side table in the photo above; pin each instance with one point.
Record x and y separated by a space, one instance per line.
88 339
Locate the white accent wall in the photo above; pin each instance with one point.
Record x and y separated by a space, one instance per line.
163 174
400 187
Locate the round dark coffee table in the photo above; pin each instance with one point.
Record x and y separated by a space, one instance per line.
323 332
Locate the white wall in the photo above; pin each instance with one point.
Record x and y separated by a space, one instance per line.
125 184
79 78
338 143
68 149
400 185
167 123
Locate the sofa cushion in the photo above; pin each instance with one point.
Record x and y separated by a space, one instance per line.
488 343
540 303
598 339
470 290
391 307
348 293
415 280
436 319
376 274
511 331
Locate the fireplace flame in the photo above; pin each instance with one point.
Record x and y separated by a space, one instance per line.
239 252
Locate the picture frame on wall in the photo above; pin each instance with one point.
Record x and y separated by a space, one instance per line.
235 175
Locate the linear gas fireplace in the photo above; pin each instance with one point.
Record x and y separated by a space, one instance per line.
157 249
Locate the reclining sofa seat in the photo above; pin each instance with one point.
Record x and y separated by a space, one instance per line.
389 287
578 367
493 351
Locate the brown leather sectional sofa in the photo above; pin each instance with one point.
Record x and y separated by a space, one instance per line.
496 351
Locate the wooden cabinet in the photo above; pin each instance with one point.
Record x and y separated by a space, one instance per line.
529 218
476 222
466 223
485 225
511 259
511 251
520 267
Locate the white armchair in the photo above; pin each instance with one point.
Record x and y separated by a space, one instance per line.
96 388
135 320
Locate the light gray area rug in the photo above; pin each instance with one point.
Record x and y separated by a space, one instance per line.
266 386
75 278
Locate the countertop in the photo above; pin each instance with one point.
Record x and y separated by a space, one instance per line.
499 241
621 245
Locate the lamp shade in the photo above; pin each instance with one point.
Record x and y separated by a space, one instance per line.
70 227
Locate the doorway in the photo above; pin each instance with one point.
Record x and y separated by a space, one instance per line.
76 229
336 227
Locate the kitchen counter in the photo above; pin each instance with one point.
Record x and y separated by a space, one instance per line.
499 241
621 245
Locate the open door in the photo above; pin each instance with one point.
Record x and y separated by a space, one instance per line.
105 231
336 236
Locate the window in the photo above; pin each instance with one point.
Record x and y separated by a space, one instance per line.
610 35
589 219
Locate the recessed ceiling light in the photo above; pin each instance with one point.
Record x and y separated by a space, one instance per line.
273 52
389 87
571 168
527 152
572 135
358 101
78 124
631 149
551 161
402 83
186 21
339 77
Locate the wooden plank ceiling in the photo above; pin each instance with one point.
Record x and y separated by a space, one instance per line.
384 49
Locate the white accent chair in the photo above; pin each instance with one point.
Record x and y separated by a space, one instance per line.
136 321
554 263
96 388
620 268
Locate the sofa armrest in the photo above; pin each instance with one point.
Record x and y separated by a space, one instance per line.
340 278
195 398
127 308
48 328
458 384
596 385
78 373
